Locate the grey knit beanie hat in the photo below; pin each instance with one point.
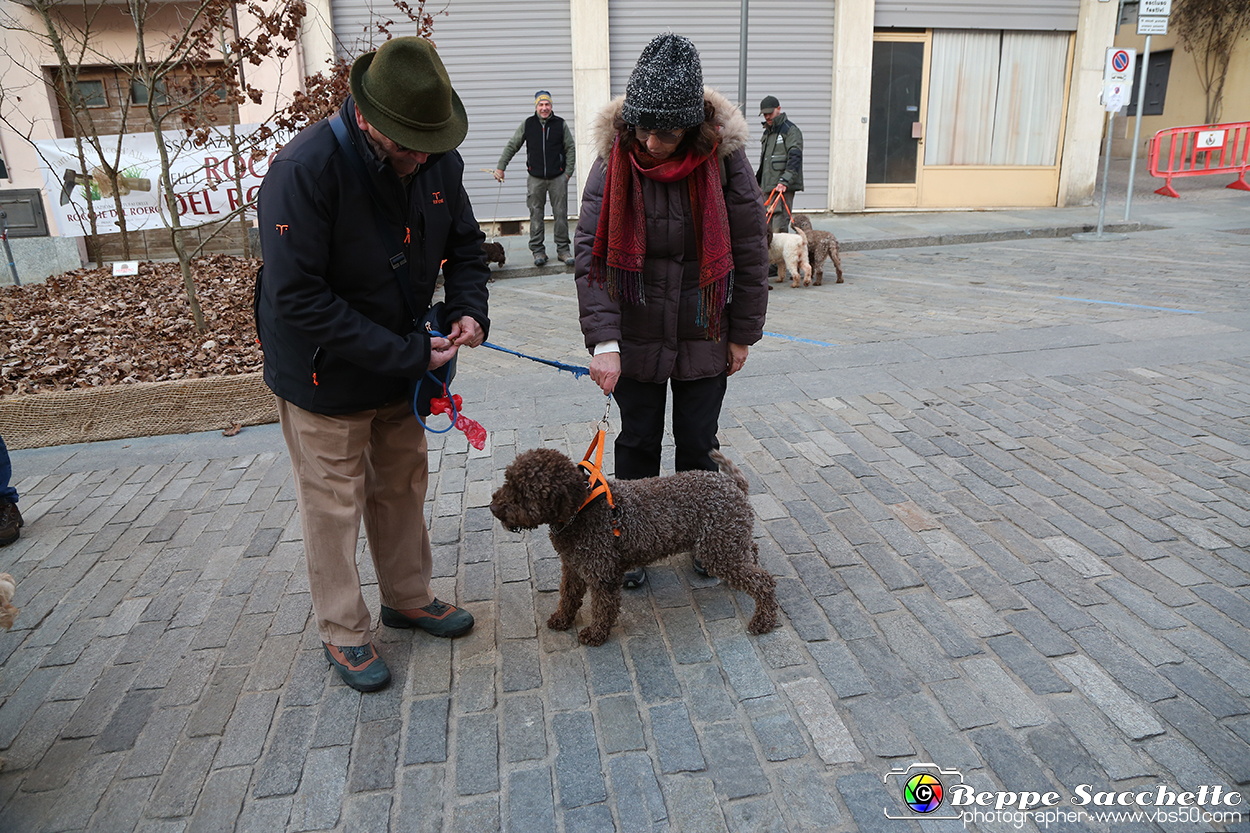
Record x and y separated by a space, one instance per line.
665 90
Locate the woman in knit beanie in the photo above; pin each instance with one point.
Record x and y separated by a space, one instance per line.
671 258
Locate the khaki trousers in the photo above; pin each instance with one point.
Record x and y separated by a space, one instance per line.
371 464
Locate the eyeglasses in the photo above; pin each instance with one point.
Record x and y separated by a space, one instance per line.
665 136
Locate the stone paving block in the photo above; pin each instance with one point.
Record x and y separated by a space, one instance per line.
1213 656
705 692
524 729
733 765
477 754
421 800
1041 634
566 677
279 770
840 669
694 805
179 786
1228 752
367 812
993 589
620 726
933 731
685 636
128 721
874 720
596 818
994 686
1107 746
941 624
806 797
1220 627
1059 750
1010 763
741 664
1027 664
979 617
652 669
531 803
91 779
677 746
221 801
1227 603
962 704
521 669
1135 721
801 611
608 674
865 796
832 740
579 775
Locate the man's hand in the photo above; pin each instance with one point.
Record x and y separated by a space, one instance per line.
737 357
466 331
498 175
605 371
441 352
781 187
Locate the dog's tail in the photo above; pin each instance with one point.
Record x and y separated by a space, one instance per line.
728 467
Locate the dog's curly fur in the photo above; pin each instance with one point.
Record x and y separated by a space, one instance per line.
820 245
494 253
790 251
704 512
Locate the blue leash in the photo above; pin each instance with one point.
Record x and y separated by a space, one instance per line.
577 370
416 394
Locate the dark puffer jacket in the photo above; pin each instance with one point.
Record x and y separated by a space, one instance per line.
660 340
337 334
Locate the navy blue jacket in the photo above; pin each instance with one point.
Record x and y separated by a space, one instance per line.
336 332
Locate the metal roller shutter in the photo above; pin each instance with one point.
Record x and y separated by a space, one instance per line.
789 55
1059 15
498 53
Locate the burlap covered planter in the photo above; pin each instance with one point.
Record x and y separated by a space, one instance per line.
144 409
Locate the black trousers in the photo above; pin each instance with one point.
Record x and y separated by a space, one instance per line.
696 412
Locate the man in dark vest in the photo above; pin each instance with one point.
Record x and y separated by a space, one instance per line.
549 157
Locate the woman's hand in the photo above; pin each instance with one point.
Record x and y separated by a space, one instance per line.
737 357
605 371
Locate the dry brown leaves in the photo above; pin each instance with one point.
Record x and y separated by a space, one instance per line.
87 328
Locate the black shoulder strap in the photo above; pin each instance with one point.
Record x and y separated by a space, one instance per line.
399 261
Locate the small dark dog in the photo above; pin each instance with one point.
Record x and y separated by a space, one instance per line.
494 253
704 512
820 245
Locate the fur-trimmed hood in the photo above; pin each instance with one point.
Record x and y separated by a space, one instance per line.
733 125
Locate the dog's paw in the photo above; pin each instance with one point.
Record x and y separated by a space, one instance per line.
559 623
593 636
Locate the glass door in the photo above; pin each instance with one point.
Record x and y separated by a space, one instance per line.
895 122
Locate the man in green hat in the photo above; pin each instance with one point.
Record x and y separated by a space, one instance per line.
356 214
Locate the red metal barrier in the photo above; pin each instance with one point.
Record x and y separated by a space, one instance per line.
1201 150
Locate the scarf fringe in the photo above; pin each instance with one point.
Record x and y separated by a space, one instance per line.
713 299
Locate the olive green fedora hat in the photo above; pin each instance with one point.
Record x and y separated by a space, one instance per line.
403 90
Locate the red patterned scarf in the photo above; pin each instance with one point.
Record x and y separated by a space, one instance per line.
621 237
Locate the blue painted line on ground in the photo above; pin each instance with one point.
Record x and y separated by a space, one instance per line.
1134 306
801 340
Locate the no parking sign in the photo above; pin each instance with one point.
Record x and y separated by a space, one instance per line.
1117 76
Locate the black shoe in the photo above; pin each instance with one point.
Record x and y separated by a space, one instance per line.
540 260
699 568
360 666
772 271
635 578
10 522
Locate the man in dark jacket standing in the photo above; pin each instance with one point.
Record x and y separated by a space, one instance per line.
353 229
781 161
549 156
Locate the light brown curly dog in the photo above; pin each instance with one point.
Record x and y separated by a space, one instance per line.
820 245
704 512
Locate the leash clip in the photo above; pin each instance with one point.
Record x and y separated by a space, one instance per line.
603 423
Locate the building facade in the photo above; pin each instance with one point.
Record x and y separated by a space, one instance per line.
903 104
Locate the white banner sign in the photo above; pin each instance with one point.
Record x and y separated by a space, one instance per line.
203 177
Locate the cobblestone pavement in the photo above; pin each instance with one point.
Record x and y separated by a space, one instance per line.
1004 487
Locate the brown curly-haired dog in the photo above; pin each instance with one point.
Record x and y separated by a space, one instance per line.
494 253
820 245
704 512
